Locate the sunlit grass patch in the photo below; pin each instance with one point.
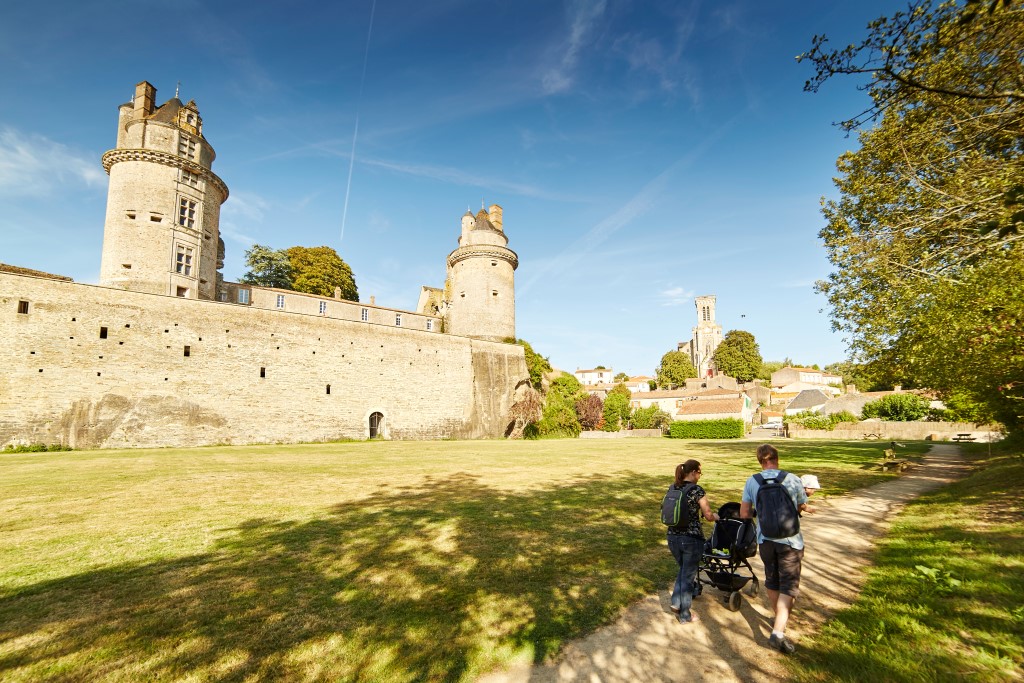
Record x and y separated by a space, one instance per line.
385 561
944 599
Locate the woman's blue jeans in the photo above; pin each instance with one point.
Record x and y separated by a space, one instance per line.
687 551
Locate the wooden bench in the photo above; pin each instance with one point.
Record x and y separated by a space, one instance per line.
964 437
898 465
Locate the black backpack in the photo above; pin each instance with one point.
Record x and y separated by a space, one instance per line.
776 512
674 510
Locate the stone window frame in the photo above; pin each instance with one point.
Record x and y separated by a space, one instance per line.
430 325
280 301
398 319
187 147
243 296
189 178
364 315
323 308
184 255
188 212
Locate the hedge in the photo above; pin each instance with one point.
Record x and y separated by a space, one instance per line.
35 448
730 428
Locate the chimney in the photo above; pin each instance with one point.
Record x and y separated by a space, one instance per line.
494 216
145 97
851 389
373 301
337 292
898 388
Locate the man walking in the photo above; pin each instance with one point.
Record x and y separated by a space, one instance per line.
778 497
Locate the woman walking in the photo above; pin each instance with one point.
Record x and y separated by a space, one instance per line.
686 540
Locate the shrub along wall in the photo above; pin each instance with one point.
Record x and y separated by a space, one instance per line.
730 428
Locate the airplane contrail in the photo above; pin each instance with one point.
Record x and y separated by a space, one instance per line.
355 132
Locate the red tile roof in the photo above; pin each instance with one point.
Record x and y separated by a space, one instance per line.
711 407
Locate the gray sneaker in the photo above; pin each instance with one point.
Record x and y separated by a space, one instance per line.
782 644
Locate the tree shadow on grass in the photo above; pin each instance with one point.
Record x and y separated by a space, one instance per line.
441 581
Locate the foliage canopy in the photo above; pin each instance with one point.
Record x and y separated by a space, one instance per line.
926 235
312 270
897 407
675 369
738 356
319 270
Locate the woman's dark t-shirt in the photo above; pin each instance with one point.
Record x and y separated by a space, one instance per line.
694 528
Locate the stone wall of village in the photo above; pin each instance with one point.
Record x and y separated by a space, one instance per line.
91 366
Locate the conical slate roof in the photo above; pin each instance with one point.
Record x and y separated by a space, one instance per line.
168 111
483 221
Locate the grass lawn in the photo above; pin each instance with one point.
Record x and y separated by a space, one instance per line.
384 561
944 599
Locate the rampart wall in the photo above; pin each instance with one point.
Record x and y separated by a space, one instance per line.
92 366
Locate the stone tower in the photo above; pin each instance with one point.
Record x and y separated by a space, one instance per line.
481 279
707 335
162 230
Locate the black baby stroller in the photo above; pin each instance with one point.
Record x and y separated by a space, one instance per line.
725 556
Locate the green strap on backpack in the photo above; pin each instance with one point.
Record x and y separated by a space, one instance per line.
674 510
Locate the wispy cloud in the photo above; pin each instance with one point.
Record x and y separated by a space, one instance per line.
662 58
675 296
636 207
583 19
240 213
378 223
34 166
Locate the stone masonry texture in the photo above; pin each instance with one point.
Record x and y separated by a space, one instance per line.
91 366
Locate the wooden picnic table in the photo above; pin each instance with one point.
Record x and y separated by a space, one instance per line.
966 436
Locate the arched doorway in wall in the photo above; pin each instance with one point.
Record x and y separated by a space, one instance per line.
376 425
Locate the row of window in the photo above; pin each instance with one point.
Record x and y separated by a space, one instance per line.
364 314
188 210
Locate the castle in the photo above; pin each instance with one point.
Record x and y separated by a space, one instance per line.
164 352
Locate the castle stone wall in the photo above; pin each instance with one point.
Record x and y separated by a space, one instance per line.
91 366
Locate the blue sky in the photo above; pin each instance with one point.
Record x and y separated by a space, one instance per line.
644 152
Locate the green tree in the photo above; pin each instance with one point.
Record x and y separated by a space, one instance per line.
616 410
768 367
267 267
926 235
864 377
674 370
559 416
621 377
897 408
621 389
651 417
319 270
536 364
738 356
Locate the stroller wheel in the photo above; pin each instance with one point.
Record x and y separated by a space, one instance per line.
734 601
752 588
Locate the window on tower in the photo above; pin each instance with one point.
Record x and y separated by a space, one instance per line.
187 212
183 260
189 178
187 147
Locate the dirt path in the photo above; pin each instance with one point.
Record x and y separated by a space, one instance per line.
647 644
